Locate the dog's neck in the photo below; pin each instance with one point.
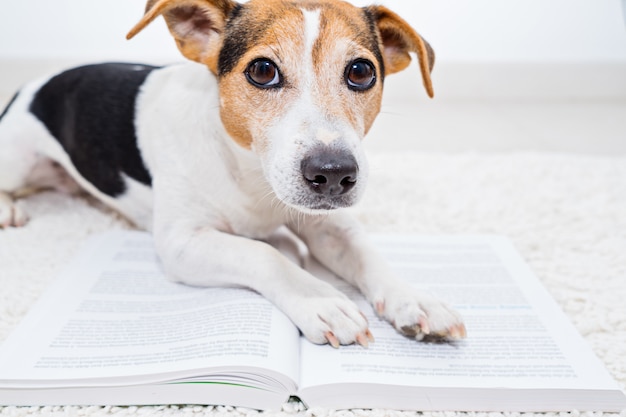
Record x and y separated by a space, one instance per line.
187 96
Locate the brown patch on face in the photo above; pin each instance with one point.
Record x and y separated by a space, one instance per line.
345 37
269 29
275 29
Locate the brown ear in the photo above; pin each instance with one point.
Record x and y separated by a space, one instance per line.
196 25
398 39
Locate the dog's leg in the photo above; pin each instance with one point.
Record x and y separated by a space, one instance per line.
28 158
340 243
15 164
11 214
207 257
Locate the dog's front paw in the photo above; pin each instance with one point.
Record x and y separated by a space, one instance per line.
418 315
335 320
11 214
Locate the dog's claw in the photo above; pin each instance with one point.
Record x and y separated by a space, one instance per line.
369 335
380 307
423 326
363 340
458 332
420 316
332 339
422 330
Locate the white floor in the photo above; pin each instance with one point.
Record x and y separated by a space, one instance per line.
596 126
479 108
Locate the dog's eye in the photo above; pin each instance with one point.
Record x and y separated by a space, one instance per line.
360 75
263 73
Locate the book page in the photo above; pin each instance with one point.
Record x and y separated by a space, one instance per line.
517 335
113 314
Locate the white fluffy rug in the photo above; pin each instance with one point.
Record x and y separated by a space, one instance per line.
566 214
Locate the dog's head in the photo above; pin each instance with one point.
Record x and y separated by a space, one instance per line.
300 83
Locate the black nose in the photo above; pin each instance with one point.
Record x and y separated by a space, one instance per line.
330 172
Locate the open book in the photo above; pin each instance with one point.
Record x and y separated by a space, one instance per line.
112 330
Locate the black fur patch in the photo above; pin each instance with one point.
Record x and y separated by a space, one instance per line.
90 110
6 109
372 39
240 33
243 30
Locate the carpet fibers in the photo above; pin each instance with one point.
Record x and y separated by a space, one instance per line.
566 214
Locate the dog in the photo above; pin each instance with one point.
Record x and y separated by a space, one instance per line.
261 130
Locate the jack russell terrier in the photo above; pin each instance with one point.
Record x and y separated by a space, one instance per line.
263 130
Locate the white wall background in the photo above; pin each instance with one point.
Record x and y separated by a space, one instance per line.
459 30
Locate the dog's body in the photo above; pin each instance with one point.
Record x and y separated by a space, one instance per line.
214 160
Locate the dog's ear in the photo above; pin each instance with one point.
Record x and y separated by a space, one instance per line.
196 25
398 39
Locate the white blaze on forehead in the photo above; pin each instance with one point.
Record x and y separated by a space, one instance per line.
311 31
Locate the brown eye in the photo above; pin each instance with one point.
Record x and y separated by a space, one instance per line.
263 73
360 75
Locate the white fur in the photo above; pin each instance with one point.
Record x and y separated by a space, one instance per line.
306 126
311 33
213 201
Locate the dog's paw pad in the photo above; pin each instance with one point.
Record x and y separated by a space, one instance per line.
419 317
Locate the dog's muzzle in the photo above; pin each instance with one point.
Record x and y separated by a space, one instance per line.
330 176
